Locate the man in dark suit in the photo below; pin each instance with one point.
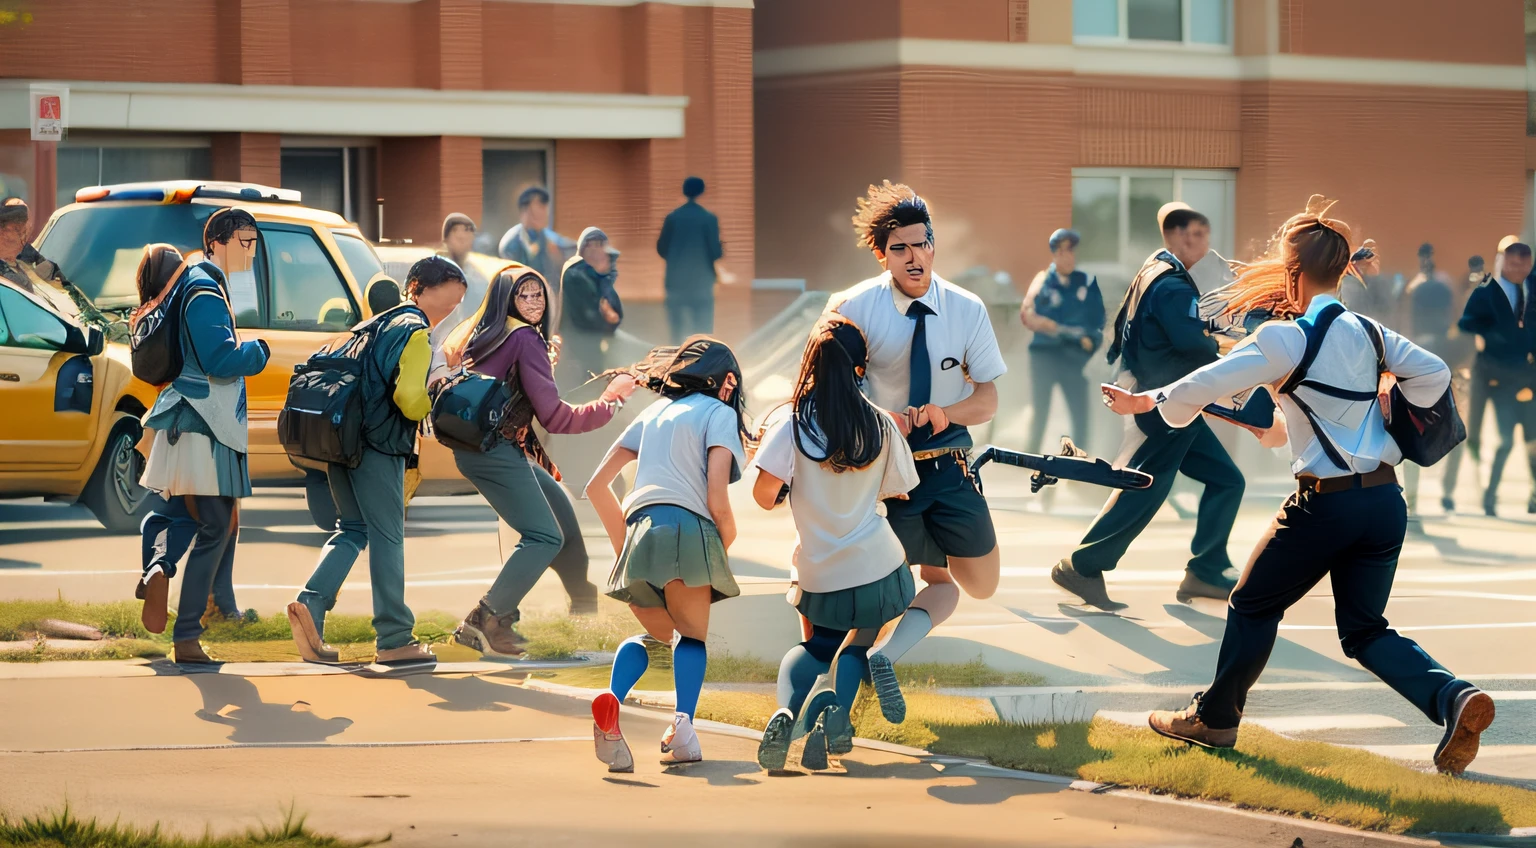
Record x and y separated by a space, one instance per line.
1500 313
690 243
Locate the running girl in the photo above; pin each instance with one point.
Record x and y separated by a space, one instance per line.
839 455
671 534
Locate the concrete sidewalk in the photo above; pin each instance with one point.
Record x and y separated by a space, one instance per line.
448 758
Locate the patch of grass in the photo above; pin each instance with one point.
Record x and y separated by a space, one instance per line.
62 829
1265 771
18 619
723 668
552 637
116 649
968 675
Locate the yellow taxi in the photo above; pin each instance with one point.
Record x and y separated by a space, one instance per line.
308 286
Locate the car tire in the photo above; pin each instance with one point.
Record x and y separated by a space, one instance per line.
317 496
113 493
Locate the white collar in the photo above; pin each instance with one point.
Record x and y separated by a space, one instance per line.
930 298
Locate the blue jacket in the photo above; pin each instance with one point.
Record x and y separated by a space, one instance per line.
1164 337
1077 305
690 242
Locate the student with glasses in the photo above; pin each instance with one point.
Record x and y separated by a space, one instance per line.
508 338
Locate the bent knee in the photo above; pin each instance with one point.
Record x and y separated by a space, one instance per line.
933 574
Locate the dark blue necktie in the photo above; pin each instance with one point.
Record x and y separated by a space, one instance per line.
921 368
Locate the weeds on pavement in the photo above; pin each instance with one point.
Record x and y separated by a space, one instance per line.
63 829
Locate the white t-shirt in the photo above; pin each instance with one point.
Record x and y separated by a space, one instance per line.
673 439
960 340
844 540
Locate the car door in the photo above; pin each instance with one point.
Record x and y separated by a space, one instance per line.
303 303
46 392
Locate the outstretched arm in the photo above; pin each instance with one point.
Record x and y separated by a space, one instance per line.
600 492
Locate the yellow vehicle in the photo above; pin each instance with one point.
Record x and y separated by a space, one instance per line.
307 288
72 408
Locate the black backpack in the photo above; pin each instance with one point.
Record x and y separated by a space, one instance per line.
1424 434
322 418
467 411
155 335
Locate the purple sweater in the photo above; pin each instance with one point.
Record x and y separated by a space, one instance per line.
526 350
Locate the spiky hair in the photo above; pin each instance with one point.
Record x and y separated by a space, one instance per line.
886 207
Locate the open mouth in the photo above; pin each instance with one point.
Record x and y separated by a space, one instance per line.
914 273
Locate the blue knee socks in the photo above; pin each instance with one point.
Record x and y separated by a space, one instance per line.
852 669
629 664
689 659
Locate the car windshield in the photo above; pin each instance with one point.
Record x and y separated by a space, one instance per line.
98 247
360 257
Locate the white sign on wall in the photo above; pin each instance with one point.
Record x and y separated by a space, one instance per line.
50 113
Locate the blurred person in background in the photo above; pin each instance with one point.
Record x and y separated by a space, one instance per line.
534 243
1065 310
458 243
21 264
1364 290
1428 318
591 307
1500 313
690 244
1460 349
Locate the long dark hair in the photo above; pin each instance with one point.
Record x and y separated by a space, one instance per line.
480 334
827 399
698 366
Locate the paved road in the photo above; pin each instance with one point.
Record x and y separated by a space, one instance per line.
445 759
1466 589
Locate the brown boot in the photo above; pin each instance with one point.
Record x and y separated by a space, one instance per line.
412 654
491 634
1186 726
155 593
1193 587
1470 715
190 652
1090 589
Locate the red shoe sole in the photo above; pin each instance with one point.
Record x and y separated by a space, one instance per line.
605 711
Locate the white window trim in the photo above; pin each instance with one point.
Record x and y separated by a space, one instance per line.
1123 39
1125 175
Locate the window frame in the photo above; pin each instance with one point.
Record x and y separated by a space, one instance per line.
1123 212
266 280
1123 39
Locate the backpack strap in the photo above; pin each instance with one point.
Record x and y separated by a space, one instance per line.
1315 331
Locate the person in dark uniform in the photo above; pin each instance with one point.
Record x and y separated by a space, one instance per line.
1500 313
690 244
1460 349
1159 337
1428 317
1066 311
1347 518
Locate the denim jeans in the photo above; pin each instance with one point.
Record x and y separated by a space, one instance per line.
206 525
370 505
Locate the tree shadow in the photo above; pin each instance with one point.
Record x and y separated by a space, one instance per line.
1452 551
1286 656
236 703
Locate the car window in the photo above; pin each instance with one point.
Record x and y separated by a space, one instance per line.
29 325
98 247
306 291
360 257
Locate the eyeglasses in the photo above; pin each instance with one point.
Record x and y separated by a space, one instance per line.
247 243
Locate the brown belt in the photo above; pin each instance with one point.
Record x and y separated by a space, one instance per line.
1383 475
919 456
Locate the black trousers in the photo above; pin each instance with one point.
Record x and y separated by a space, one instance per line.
1509 389
1047 370
1354 537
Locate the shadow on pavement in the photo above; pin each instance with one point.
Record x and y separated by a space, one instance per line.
719 772
236 703
477 694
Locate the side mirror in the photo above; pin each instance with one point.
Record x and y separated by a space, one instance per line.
95 341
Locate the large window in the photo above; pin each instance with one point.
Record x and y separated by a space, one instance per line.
306 290
1115 210
339 179
99 247
1196 22
506 172
81 166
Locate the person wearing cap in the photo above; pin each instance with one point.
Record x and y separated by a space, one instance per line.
1501 314
1428 316
370 499
22 265
1065 310
458 243
1159 337
591 307
532 242
690 244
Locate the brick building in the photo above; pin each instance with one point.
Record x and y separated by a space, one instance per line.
435 106
1014 117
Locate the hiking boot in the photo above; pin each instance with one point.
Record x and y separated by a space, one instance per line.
1186 726
680 744
607 738
491 634
306 635
413 654
882 675
1470 716
1090 589
1448 505
773 751
1193 587
190 652
154 589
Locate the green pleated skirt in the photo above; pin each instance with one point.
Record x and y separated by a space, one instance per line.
867 606
665 543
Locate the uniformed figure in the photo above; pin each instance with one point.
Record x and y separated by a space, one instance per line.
1347 519
1428 316
1159 337
1066 311
1460 349
1500 313
932 361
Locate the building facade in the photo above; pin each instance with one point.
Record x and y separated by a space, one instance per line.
433 106
1015 117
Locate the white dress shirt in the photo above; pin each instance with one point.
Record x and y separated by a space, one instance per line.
1347 360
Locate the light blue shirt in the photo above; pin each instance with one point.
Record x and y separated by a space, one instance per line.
1347 360
1512 292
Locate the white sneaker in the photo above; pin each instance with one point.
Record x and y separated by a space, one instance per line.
607 738
680 744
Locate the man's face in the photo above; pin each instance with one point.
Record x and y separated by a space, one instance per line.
596 255
1517 267
535 216
238 254
908 255
1065 258
1369 267
459 241
1190 244
13 237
